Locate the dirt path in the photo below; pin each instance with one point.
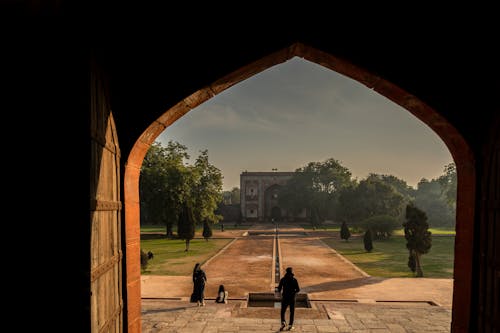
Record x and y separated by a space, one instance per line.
316 265
247 266
244 266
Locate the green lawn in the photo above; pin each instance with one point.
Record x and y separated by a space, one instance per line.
171 259
434 231
162 228
389 257
153 228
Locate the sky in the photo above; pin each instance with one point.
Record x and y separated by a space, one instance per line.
300 112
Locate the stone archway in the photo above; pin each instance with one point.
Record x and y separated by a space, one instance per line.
276 214
459 149
272 211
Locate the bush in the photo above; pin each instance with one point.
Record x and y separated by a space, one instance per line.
382 226
144 260
367 241
344 231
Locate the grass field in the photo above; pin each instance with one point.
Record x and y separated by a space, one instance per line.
153 228
171 259
434 231
400 232
162 228
389 257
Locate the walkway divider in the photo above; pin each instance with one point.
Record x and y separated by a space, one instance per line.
274 263
278 263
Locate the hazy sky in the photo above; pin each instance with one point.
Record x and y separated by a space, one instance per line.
299 112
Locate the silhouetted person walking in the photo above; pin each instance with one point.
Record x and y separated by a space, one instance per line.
288 287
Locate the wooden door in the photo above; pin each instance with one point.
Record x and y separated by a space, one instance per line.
105 213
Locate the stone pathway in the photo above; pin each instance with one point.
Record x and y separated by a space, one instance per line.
160 316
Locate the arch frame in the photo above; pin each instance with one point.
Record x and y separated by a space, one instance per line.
457 145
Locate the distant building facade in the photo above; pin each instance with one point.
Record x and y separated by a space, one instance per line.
259 194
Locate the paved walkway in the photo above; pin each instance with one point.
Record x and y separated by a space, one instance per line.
184 317
342 298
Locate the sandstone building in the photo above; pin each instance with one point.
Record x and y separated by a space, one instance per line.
259 197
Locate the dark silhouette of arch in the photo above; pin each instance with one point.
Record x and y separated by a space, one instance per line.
458 147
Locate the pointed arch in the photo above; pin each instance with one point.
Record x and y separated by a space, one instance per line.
460 151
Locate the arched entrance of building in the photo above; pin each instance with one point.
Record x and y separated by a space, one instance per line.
272 210
276 214
459 149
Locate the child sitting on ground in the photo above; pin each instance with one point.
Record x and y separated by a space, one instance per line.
222 295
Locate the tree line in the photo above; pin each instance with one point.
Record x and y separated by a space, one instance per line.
172 191
328 191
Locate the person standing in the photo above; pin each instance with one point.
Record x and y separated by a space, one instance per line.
199 281
288 287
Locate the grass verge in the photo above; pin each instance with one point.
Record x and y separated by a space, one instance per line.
171 259
389 257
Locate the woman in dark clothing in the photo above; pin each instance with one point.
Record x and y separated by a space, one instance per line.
289 287
195 269
199 281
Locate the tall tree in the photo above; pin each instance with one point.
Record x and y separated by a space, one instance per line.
418 237
206 190
431 199
448 183
235 195
163 184
231 197
399 185
186 224
166 182
370 198
315 220
344 231
316 187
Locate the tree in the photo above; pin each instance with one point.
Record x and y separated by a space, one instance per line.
186 224
371 197
448 183
207 230
231 197
381 226
431 199
316 187
418 237
163 184
348 209
367 241
344 231
206 190
399 185
411 263
315 220
235 195
166 182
